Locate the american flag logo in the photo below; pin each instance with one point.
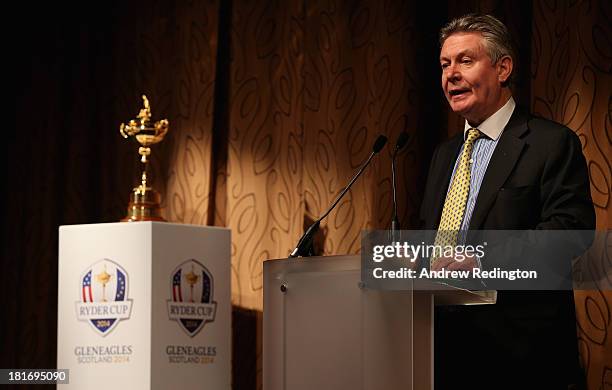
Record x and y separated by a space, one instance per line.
201 291
176 287
119 285
103 283
87 297
192 284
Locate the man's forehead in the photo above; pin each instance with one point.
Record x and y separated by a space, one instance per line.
461 44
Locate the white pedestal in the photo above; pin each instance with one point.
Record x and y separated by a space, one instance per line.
144 305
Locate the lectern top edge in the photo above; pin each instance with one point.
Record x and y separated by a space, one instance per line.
302 259
444 293
62 227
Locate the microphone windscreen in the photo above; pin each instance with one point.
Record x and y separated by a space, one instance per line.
380 142
401 140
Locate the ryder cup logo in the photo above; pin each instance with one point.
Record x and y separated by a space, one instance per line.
192 304
103 292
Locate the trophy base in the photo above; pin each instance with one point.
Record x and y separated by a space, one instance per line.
144 206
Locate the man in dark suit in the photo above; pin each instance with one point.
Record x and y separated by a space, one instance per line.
507 170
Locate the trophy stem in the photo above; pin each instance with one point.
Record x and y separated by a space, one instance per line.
143 180
144 152
145 202
192 279
104 292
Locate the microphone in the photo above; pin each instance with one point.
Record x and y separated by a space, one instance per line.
401 142
304 245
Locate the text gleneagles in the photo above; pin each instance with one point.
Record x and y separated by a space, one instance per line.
413 252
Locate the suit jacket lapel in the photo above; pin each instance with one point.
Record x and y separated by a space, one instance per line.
502 162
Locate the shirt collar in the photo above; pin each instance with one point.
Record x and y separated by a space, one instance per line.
493 126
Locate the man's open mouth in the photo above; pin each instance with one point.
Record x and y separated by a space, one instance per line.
458 92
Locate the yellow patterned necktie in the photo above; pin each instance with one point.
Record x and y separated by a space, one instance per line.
456 199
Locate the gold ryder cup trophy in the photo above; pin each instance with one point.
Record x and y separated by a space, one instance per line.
144 200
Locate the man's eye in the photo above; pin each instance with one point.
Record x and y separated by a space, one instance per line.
444 66
466 61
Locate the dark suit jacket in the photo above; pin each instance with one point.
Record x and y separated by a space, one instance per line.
536 179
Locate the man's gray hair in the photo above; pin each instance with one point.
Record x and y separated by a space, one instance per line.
497 38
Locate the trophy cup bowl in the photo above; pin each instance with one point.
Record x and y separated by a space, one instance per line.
144 200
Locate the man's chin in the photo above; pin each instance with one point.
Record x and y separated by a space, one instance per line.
460 108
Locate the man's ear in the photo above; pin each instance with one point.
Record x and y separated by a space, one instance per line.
504 69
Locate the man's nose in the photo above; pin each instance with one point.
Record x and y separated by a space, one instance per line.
451 72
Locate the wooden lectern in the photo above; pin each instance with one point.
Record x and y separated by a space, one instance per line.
324 329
